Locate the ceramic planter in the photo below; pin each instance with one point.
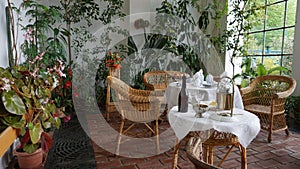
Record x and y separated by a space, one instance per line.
33 160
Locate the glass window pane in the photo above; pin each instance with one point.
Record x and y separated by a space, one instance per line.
271 62
273 42
257 20
272 1
275 16
287 61
291 12
254 44
288 41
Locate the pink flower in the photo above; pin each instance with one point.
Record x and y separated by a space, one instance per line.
76 94
34 73
61 74
67 118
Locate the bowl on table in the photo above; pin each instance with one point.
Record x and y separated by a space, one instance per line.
200 108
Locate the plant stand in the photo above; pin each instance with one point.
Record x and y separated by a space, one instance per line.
7 137
110 106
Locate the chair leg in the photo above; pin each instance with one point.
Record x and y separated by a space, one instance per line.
157 137
211 155
270 128
270 137
226 155
119 137
175 156
287 132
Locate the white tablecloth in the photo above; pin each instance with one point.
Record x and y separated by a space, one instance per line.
208 93
246 125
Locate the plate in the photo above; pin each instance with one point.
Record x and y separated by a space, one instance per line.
223 116
205 84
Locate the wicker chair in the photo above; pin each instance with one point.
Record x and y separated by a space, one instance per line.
158 81
265 97
194 154
138 106
223 139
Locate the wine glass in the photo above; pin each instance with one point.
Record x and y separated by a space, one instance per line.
199 97
177 78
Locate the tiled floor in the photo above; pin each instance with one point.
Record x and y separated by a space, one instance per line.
283 152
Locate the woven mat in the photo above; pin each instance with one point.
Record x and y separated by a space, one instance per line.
72 148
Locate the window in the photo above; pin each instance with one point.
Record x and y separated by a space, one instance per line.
270 41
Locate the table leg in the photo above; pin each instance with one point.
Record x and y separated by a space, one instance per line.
176 150
243 157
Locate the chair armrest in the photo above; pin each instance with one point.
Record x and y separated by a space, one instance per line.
149 86
245 90
284 94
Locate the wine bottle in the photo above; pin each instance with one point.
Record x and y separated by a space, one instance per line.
182 97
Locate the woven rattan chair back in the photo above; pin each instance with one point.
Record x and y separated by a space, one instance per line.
159 79
138 106
265 97
135 105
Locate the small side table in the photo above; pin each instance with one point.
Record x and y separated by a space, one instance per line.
110 106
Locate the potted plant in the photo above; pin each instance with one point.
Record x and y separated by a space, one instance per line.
113 59
292 108
26 95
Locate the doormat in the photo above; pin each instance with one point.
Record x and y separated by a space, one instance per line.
72 148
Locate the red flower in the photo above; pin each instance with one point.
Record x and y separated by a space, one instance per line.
68 84
70 72
76 94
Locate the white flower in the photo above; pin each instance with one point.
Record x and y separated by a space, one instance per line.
55 83
6 86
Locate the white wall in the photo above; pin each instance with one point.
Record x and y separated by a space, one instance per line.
5 159
3 36
296 57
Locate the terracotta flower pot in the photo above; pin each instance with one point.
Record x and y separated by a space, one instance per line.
33 160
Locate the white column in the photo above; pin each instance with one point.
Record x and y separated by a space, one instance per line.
3 36
296 54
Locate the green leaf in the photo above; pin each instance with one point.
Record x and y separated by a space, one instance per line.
13 103
56 31
261 70
30 125
47 125
58 122
25 90
30 148
35 133
13 120
3 111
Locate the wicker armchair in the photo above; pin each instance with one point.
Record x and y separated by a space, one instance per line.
138 106
194 154
265 97
158 81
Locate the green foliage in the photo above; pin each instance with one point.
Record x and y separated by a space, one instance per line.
250 71
292 103
13 103
41 34
26 96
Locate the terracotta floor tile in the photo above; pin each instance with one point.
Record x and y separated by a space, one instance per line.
283 152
